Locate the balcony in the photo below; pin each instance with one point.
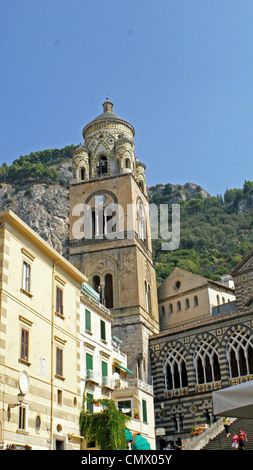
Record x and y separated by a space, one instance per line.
107 383
92 376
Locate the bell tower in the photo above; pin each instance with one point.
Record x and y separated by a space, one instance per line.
110 236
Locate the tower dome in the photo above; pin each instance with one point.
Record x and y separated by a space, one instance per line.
107 117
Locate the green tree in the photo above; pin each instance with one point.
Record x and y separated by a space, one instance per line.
107 428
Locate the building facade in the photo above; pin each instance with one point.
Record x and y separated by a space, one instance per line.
40 343
185 296
110 237
192 359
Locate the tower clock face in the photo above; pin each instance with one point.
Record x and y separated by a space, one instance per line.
100 199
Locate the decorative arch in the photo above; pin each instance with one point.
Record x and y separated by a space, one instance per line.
239 351
103 276
174 367
206 358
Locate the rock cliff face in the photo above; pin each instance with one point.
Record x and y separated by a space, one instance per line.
45 208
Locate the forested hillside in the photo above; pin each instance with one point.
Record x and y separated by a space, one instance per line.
216 231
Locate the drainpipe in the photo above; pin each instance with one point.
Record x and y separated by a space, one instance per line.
52 355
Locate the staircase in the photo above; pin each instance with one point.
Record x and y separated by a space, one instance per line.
222 442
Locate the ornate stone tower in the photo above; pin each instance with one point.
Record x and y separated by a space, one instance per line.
108 195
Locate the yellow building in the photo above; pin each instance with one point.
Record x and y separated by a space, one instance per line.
185 297
40 341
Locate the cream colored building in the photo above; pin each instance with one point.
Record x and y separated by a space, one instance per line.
40 342
184 297
104 372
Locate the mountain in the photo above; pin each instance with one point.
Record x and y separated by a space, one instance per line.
216 231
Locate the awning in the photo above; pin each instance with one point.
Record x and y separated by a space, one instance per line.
235 401
128 434
140 443
121 367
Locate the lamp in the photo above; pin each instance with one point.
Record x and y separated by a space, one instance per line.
13 405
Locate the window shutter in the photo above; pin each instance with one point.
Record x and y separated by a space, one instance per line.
87 320
89 362
102 329
104 369
144 411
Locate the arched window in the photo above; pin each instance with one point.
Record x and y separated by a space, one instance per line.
162 311
179 306
128 164
82 173
218 300
187 303
206 361
108 291
141 185
102 166
147 297
170 308
195 301
175 368
96 285
141 219
239 352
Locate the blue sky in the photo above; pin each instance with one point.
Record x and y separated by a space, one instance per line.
180 71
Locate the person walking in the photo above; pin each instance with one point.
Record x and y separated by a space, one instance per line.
234 441
227 423
242 439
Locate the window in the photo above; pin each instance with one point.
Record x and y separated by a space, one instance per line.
59 362
82 174
59 300
24 354
175 368
187 304
125 407
38 423
87 321
96 286
147 297
206 361
89 366
144 411
128 163
170 308
141 221
195 301
102 166
26 276
179 306
108 291
89 403
59 397
104 373
102 330
22 418
240 353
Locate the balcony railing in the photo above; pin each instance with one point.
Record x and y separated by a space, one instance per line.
115 384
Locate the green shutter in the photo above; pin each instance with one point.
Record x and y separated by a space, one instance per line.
87 320
144 411
102 329
89 405
89 362
104 369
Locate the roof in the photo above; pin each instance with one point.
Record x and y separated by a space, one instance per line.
108 115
